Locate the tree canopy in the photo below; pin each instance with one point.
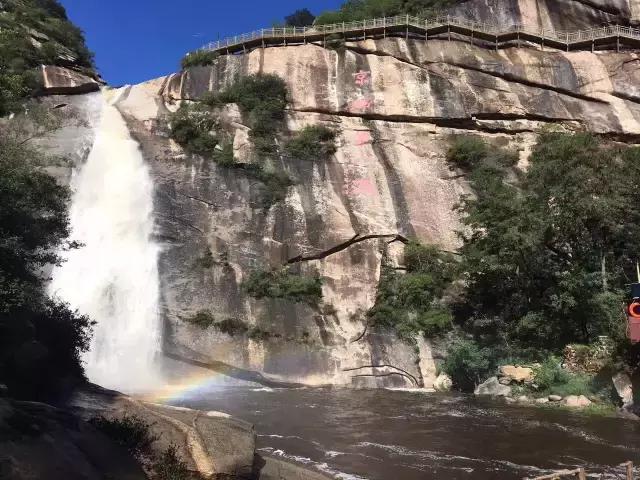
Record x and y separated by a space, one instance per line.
300 18
547 253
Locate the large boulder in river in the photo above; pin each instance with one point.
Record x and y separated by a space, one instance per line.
493 387
517 374
443 383
624 388
577 401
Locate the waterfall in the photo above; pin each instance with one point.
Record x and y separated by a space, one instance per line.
113 277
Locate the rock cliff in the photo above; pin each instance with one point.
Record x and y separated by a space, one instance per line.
395 104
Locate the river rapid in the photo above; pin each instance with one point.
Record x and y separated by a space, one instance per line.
384 435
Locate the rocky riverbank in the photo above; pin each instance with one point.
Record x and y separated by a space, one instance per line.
38 440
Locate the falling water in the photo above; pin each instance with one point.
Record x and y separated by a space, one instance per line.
113 278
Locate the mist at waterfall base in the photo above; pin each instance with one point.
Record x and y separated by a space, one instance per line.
113 277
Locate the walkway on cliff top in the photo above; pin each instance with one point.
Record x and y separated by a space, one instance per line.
442 27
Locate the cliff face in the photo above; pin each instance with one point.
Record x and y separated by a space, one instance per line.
551 14
395 104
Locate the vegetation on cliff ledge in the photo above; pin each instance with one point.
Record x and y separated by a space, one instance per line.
33 33
285 285
411 302
353 10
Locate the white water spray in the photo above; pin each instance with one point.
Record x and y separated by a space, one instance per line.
113 278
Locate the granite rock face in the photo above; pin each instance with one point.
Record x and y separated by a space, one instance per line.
396 104
557 15
63 81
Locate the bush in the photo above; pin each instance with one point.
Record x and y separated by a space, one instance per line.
129 432
192 128
285 285
312 143
170 467
467 152
199 58
411 303
552 379
232 327
203 319
263 97
468 364
300 18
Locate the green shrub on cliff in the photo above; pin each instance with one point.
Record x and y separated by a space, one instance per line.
199 58
353 10
57 40
314 142
411 303
193 127
284 284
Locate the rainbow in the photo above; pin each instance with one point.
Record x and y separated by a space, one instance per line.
186 387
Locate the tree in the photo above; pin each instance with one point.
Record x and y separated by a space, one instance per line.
546 253
300 18
40 339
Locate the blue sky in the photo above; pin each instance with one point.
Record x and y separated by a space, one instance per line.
136 40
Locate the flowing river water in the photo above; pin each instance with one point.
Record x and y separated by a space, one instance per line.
388 435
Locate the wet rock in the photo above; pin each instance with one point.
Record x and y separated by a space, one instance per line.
40 441
517 374
443 383
62 81
493 387
624 388
577 401
542 400
211 443
554 398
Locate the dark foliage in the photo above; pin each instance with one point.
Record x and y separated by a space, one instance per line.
314 142
353 10
40 340
129 432
19 57
284 284
547 253
411 303
199 58
300 18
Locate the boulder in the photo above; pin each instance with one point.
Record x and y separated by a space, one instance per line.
494 388
554 398
505 380
40 441
62 81
577 401
443 383
624 388
523 399
211 443
517 374
542 400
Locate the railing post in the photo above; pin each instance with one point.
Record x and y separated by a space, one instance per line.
567 41
384 27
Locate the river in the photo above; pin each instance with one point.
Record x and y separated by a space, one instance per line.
385 435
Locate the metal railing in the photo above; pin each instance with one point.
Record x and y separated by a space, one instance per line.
297 33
